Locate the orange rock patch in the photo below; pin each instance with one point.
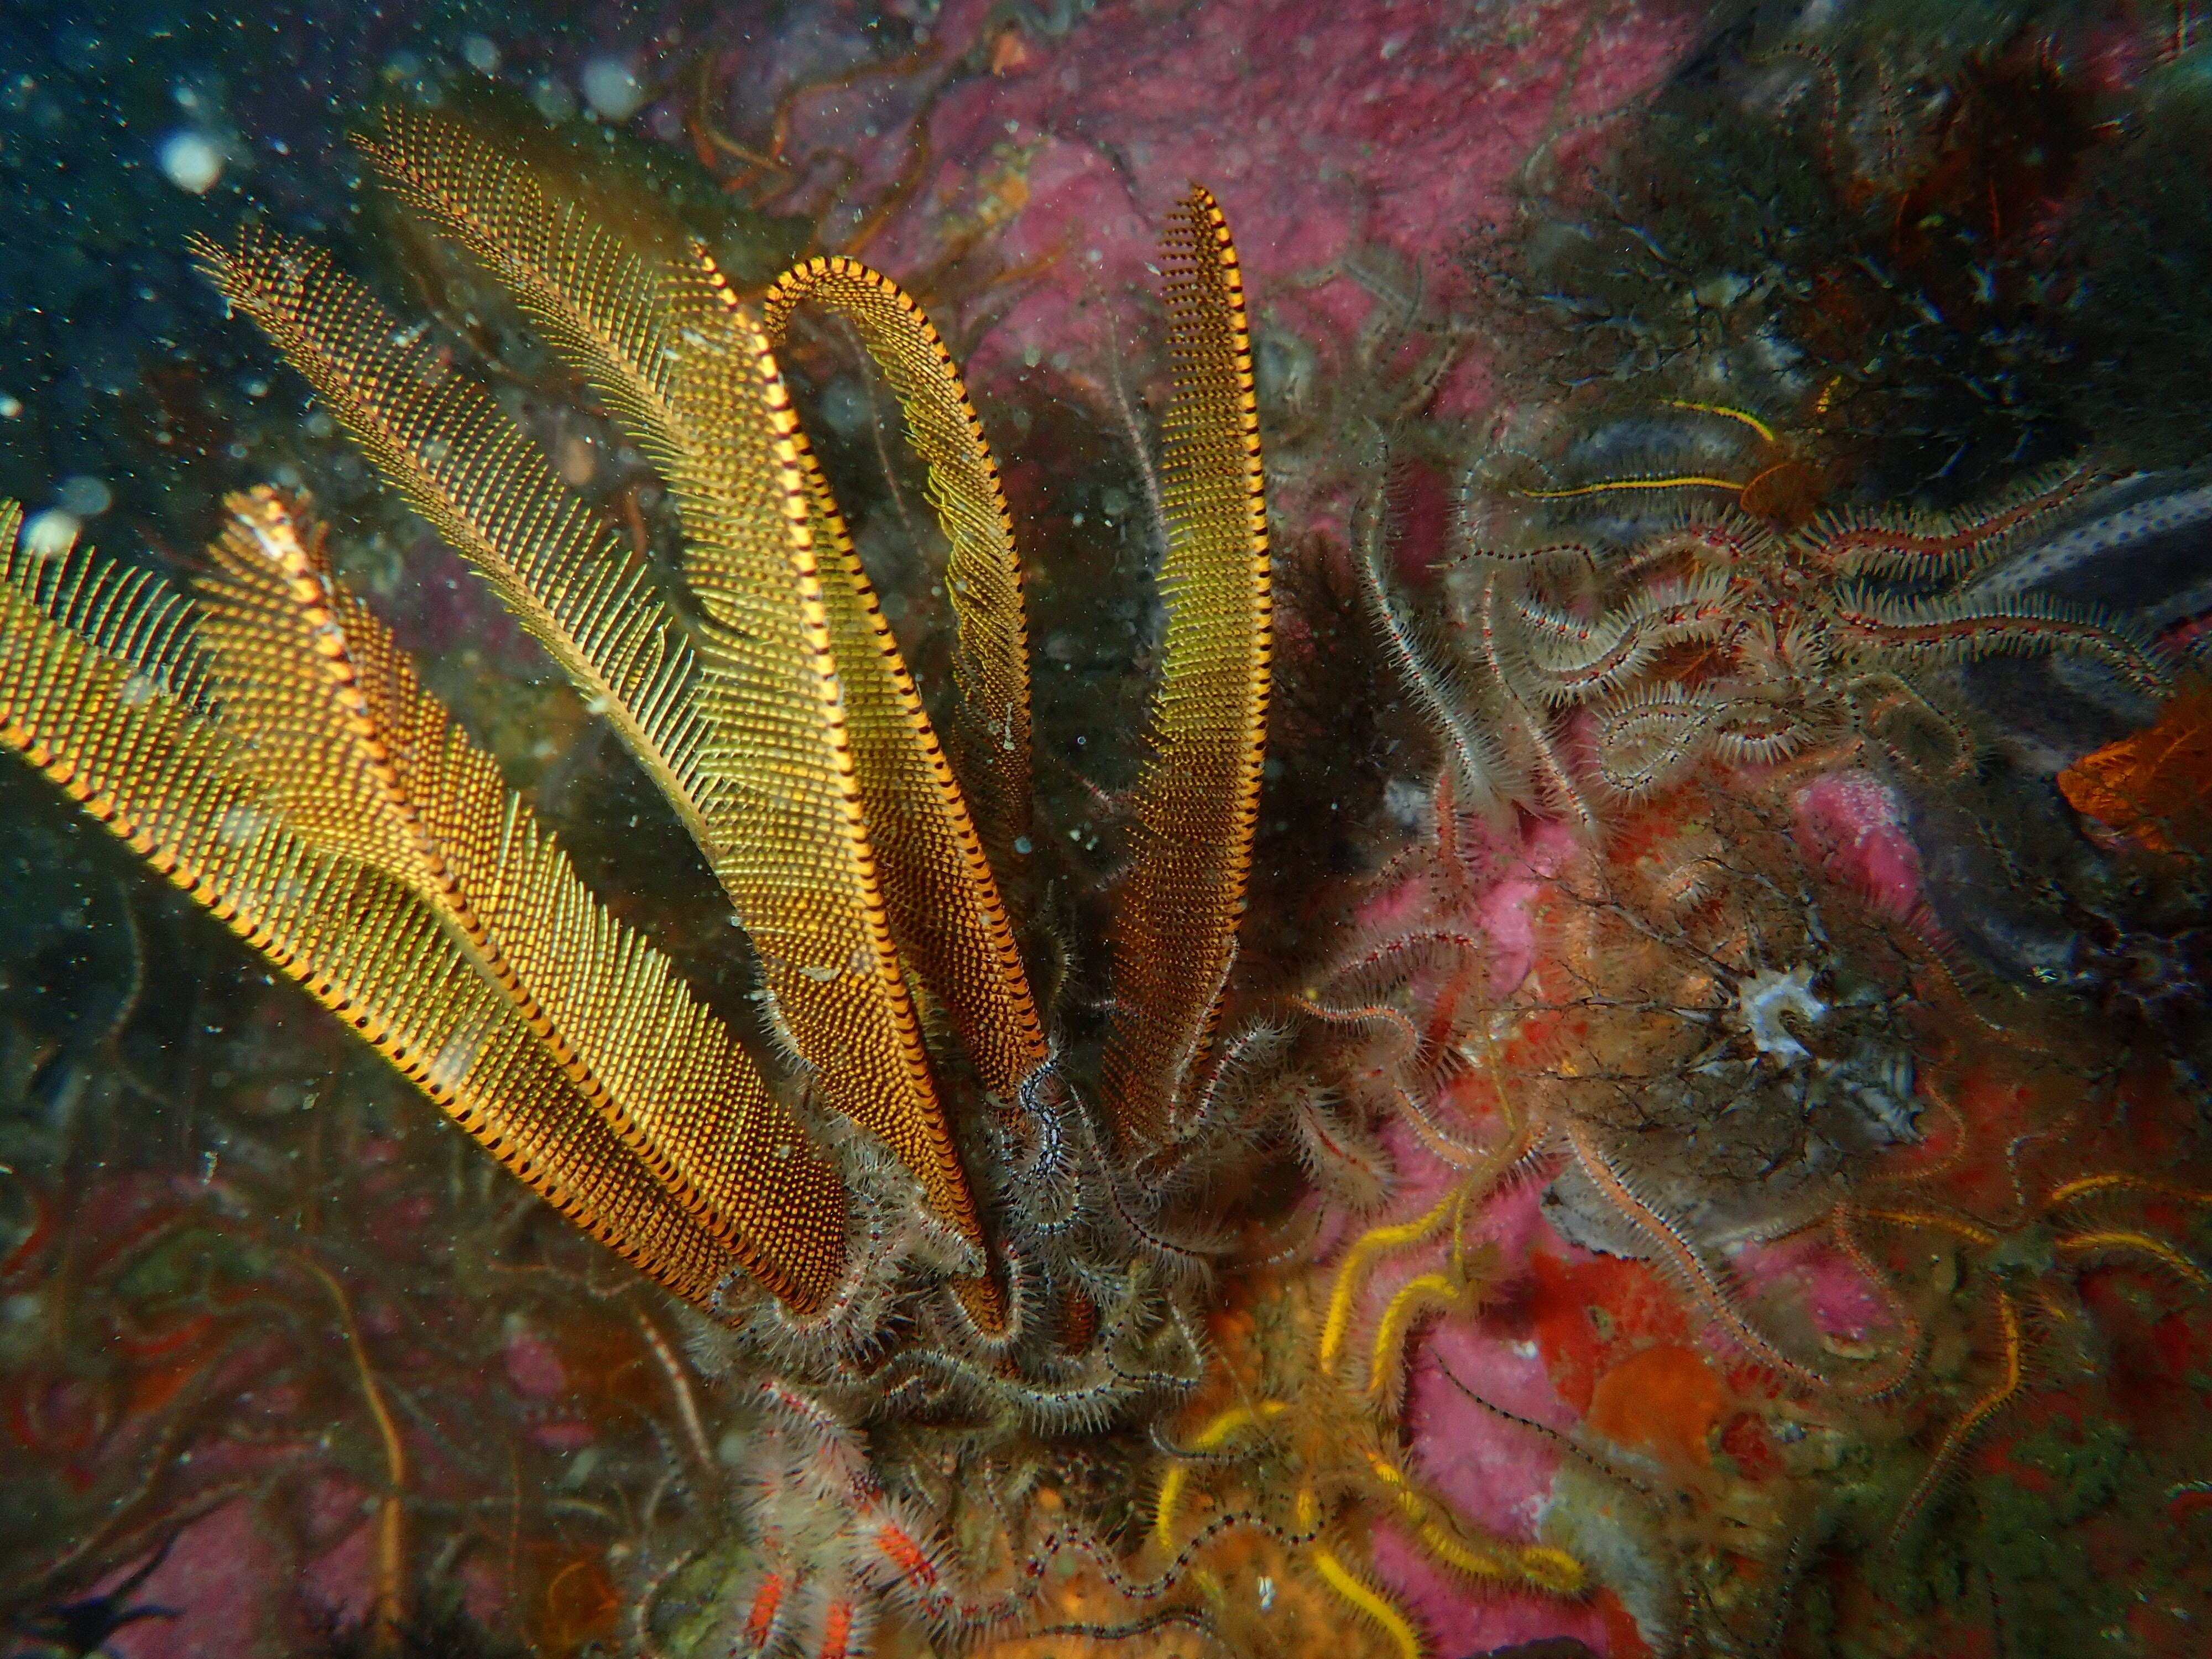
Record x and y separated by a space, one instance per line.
1665 1400
2156 786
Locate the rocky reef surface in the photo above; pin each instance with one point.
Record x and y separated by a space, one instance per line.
1743 1117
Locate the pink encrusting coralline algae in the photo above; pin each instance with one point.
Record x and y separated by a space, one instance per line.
1332 135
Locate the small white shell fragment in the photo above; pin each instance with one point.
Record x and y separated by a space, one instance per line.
1766 997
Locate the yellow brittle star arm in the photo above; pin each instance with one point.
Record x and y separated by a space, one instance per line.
1727 411
2080 1243
1377 1242
1674 481
1210 1439
2119 1181
1364 1597
1493 1560
1431 1293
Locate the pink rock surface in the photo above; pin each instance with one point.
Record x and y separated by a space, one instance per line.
222 1579
1495 1473
1327 133
1809 1272
1853 825
1319 128
534 1366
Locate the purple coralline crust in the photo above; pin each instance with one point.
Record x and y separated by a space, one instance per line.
1325 133
1853 825
222 1572
1807 1272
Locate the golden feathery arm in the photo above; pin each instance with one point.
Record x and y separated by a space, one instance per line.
982 568
947 911
485 488
947 923
806 875
946 916
1198 795
682 364
347 742
99 689
599 296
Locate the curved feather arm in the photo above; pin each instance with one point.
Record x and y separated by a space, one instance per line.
982 568
488 491
621 305
683 367
803 868
347 744
946 916
1198 796
99 688
946 910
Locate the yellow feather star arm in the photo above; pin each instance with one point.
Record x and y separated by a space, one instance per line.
947 917
485 487
1198 796
360 758
804 871
947 922
683 367
982 570
97 691
623 306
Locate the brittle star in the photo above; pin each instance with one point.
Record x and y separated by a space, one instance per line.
81 1629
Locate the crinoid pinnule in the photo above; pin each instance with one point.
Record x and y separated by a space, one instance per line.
930 1239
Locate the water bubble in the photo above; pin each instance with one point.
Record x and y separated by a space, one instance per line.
554 102
845 407
84 495
192 160
612 88
84 50
480 54
50 534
